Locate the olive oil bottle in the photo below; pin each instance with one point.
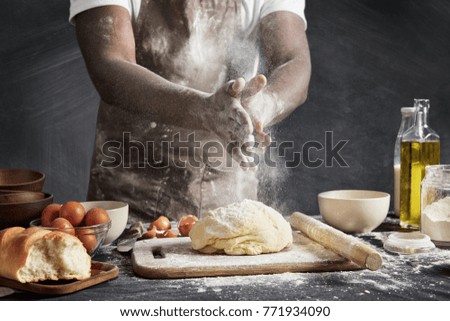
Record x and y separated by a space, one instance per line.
408 117
420 147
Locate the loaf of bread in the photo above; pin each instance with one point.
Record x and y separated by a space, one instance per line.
35 254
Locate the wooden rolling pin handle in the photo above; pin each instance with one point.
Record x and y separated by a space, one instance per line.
345 245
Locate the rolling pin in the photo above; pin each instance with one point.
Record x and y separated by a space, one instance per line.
345 245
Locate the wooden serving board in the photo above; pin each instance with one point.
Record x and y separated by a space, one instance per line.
174 258
100 272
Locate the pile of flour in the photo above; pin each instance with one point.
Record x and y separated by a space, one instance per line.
436 220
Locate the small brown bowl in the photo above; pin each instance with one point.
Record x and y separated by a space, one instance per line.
7 196
21 179
21 213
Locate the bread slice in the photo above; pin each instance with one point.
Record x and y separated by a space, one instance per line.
35 254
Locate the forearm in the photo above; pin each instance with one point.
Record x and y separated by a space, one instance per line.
286 50
106 40
132 87
287 89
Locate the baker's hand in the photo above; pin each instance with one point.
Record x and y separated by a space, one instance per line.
225 116
255 102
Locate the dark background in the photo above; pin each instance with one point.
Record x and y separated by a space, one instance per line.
369 57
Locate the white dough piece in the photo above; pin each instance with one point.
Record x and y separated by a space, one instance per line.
244 228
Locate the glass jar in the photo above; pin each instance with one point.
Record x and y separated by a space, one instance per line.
435 204
407 121
420 147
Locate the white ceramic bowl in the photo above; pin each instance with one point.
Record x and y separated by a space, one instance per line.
118 213
354 211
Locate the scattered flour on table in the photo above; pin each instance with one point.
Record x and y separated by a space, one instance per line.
395 278
399 277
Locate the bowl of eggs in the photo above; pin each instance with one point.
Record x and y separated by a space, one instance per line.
117 212
91 226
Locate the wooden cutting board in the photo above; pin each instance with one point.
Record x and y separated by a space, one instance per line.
174 258
100 272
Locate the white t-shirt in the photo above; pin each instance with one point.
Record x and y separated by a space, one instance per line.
253 10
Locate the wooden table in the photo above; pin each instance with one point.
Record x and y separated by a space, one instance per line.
406 277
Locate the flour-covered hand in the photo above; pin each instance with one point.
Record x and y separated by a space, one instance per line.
258 104
225 116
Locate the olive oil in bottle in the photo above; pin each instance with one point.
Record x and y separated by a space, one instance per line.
420 147
415 157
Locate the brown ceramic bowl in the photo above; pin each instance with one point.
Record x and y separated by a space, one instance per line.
21 179
8 196
21 213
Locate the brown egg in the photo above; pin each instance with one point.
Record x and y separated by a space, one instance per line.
73 212
185 224
167 234
185 228
89 241
162 223
63 225
96 216
49 213
149 234
188 218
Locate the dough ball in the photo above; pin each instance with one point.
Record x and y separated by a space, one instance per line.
244 228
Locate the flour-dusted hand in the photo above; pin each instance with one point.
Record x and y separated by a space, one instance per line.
225 116
256 102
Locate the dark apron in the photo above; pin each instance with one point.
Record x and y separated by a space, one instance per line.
186 42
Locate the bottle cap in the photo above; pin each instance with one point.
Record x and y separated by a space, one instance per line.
408 110
408 243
